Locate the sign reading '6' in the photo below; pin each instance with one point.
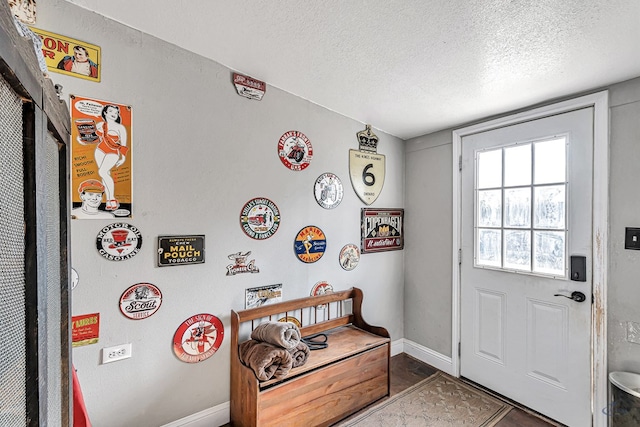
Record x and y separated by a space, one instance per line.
366 167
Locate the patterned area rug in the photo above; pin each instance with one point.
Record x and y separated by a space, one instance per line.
438 401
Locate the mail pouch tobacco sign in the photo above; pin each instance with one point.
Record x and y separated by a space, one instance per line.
180 250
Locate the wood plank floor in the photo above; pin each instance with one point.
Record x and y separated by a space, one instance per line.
407 371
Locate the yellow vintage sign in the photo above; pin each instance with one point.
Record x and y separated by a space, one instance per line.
69 56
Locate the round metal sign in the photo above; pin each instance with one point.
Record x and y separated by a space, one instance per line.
310 244
349 256
321 288
74 278
140 301
260 218
295 150
328 190
198 338
291 319
119 241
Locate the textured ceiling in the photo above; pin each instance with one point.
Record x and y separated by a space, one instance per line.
407 67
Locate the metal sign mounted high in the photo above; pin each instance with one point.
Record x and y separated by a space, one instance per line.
367 167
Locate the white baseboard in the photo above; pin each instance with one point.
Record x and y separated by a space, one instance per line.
397 347
219 415
426 355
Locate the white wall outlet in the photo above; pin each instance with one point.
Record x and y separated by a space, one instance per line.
118 352
633 332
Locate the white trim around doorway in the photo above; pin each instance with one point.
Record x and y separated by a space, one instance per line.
600 103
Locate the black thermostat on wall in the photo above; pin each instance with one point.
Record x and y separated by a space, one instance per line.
632 238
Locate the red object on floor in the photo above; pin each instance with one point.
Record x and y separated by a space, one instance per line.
80 416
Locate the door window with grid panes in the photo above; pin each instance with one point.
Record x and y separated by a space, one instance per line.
521 207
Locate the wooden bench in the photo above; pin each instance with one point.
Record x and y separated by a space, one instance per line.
351 373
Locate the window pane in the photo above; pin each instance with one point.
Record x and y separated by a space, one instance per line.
490 208
489 247
490 169
550 207
550 161
517 165
549 254
517 249
517 203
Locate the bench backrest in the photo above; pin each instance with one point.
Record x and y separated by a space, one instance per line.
312 314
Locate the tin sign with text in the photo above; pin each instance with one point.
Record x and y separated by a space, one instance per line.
260 218
349 257
66 55
101 159
140 301
367 167
198 338
249 87
321 288
180 250
240 264
85 329
263 295
310 244
295 150
328 190
382 230
119 241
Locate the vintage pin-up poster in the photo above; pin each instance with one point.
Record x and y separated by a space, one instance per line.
69 56
101 163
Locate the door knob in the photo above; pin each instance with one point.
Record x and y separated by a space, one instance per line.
577 296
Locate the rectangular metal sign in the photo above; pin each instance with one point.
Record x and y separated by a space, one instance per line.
180 250
263 295
101 159
381 230
249 87
69 56
85 329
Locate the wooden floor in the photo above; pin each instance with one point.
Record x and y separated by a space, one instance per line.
407 371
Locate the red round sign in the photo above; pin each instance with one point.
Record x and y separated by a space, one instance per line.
295 150
198 337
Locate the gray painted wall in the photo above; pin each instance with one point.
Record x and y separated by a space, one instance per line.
624 211
200 152
428 187
428 252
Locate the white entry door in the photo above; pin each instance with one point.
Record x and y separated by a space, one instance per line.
526 209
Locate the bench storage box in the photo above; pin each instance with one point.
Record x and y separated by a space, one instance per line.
351 373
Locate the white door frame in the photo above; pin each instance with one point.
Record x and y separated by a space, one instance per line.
600 103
